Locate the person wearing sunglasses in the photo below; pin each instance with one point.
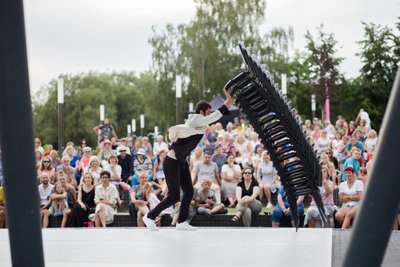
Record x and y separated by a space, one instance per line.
247 191
47 167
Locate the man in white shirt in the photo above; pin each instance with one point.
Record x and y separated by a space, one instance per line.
45 189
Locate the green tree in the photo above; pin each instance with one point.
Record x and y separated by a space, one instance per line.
380 55
205 51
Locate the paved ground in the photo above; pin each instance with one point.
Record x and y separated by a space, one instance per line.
340 241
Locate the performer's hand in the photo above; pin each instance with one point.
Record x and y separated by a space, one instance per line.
229 101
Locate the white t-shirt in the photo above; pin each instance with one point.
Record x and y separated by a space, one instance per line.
266 172
358 186
229 171
45 193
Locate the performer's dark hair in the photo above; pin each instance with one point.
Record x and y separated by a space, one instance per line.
202 106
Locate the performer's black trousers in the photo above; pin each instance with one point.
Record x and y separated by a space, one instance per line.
177 175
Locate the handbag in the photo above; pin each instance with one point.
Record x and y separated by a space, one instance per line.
124 186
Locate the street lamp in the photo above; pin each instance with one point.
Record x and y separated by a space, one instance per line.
178 91
141 124
313 105
283 81
133 125
60 100
327 101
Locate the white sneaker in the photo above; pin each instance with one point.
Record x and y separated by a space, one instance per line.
270 206
185 227
150 224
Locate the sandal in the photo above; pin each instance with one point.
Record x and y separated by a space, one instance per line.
235 218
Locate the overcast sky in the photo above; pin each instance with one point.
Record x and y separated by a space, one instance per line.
71 36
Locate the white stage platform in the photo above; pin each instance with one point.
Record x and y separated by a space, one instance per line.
168 247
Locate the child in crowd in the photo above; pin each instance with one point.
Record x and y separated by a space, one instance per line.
205 200
58 200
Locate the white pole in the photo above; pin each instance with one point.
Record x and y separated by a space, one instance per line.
191 107
284 84
133 125
128 129
141 121
60 90
155 131
178 86
102 112
313 103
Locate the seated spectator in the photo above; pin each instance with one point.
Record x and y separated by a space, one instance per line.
205 200
57 205
66 168
350 193
158 167
85 204
352 128
247 192
136 146
283 208
105 153
323 142
207 170
230 176
313 218
55 161
331 158
352 161
70 153
94 169
38 145
257 157
196 157
244 151
355 143
82 163
371 141
114 169
363 130
46 167
105 198
147 147
45 188
159 145
2 208
341 125
126 162
142 164
138 198
123 143
330 129
227 144
268 178
38 159
337 144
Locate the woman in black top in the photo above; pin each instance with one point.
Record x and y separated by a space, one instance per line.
247 191
85 204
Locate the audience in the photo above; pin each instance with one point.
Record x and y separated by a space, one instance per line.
341 147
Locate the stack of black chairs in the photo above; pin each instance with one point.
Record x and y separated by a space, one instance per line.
280 131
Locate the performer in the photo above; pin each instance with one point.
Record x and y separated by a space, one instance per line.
185 138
